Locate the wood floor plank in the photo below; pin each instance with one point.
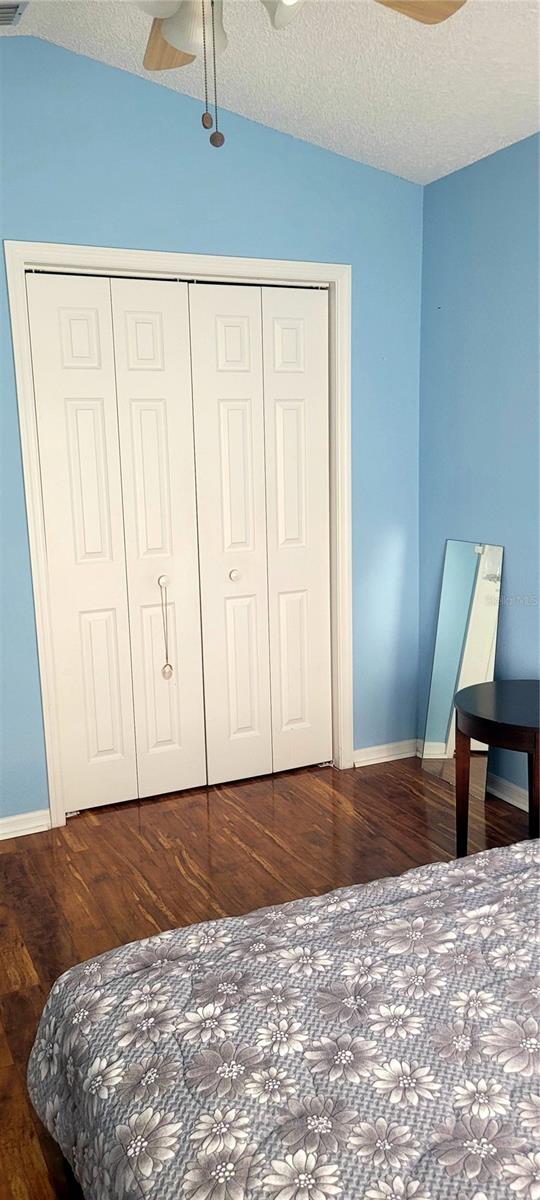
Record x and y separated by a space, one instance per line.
24 1174
6 1059
20 1013
124 872
69 892
42 924
16 967
15 1117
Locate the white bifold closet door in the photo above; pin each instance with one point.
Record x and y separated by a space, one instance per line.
295 355
183 438
261 439
226 346
118 480
75 395
151 338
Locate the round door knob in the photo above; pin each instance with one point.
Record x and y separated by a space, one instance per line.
234 575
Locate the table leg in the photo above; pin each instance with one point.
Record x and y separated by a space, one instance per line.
534 791
463 764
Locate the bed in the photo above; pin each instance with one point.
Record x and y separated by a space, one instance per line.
381 1042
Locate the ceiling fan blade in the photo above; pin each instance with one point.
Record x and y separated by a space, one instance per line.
159 54
430 12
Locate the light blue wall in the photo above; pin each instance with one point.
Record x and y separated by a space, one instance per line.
459 576
98 156
479 405
95 155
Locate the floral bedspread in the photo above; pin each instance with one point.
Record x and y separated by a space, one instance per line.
381 1042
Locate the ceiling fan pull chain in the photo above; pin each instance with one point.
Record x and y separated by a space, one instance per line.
216 138
207 116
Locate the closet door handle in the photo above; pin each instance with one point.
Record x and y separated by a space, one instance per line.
234 575
163 583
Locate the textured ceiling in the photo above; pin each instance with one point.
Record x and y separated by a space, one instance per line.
417 100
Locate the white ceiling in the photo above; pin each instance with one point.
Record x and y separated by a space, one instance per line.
417 100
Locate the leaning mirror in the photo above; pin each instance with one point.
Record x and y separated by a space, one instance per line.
464 651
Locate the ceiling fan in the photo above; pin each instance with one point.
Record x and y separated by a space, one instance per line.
177 33
176 36
183 29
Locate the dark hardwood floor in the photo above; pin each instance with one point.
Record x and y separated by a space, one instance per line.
121 873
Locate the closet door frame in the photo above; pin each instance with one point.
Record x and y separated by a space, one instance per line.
24 257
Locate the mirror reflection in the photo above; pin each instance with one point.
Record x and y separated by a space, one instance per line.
464 652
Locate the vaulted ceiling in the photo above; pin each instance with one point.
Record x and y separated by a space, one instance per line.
417 100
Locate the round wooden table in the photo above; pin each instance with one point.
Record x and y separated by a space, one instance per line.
504 714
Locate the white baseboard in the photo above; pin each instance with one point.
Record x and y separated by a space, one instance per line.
386 753
504 790
21 823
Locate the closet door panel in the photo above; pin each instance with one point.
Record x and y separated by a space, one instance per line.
295 334
151 333
229 442
72 355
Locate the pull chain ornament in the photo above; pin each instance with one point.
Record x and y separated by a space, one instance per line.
207 119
